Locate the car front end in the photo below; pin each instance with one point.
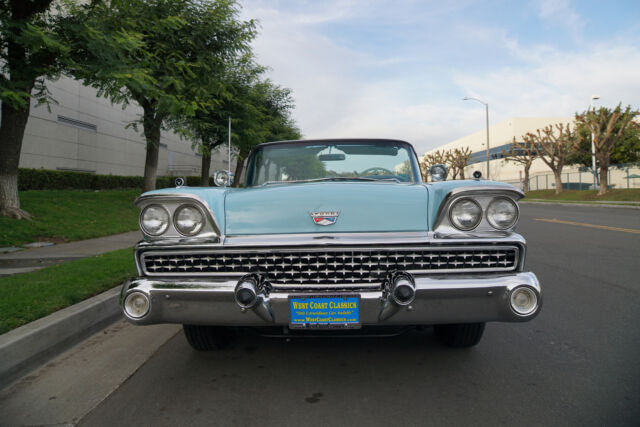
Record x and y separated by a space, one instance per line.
333 254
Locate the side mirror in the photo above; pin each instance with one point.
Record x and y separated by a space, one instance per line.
221 178
438 172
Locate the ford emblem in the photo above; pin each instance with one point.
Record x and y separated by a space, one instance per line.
325 218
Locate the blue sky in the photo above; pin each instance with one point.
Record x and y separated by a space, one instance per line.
399 69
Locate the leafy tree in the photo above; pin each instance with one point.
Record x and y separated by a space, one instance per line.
457 160
554 143
168 56
524 153
264 117
31 51
608 127
210 128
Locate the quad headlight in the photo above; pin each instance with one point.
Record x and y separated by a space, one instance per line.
502 213
465 214
188 220
154 220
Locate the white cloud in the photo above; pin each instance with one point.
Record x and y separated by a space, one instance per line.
347 91
559 83
561 13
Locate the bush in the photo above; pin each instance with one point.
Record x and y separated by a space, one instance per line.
43 179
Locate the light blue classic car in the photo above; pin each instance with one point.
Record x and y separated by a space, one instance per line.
337 235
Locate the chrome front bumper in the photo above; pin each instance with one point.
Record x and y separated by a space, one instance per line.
438 300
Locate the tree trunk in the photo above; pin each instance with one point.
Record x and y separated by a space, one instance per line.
238 172
525 187
204 170
12 128
152 126
462 173
558 174
604 179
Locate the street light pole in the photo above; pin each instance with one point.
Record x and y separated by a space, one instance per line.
486 111
593 146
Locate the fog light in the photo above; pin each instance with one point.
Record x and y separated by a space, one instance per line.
403 291
136 304
524 300
246 294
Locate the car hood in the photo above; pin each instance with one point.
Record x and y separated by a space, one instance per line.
362 207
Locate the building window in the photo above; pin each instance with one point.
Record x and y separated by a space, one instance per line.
68 121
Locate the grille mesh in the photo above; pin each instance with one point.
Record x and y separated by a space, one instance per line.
330 267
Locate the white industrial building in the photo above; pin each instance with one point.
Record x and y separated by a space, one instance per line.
501 136
86 133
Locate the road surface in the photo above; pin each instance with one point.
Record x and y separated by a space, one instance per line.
577 363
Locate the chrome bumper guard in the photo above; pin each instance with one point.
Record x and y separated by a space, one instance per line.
438 300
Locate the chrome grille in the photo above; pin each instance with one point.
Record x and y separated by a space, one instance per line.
329 266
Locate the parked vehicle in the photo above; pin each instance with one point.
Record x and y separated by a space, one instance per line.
332 234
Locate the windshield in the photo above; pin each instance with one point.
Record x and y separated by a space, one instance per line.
339 160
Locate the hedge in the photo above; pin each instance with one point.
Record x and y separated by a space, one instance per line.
43 179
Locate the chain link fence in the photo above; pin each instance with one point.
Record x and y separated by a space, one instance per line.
621 176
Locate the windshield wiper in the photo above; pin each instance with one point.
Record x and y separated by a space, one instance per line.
332 178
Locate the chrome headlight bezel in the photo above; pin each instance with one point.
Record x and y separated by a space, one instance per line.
172 202
483 195
491 220
144 229
199 228
465 200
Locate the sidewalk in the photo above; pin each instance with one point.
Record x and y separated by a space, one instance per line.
37 258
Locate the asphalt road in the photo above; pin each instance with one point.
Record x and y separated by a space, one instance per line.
577 363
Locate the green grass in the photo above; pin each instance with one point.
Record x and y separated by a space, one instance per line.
586 195
30 296
66 215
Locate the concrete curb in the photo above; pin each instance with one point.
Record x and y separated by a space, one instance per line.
597 205
33 344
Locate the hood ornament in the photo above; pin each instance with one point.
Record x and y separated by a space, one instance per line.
325 217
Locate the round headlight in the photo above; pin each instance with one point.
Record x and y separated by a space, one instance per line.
136 304
221 178
502 213
524 300
465 214
154 220
188 220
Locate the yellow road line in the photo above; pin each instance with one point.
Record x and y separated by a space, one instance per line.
582 224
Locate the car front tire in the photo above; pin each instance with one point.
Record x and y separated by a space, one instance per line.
208 338
459 335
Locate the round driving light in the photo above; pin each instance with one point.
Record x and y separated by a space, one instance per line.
188 220
221 178
136 304
154 220
465 214
524 300
502 213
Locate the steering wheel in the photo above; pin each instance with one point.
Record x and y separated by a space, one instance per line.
376 171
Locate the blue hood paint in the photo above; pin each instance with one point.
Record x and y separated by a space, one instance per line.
363 206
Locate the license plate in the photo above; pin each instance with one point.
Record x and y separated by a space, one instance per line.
325 312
